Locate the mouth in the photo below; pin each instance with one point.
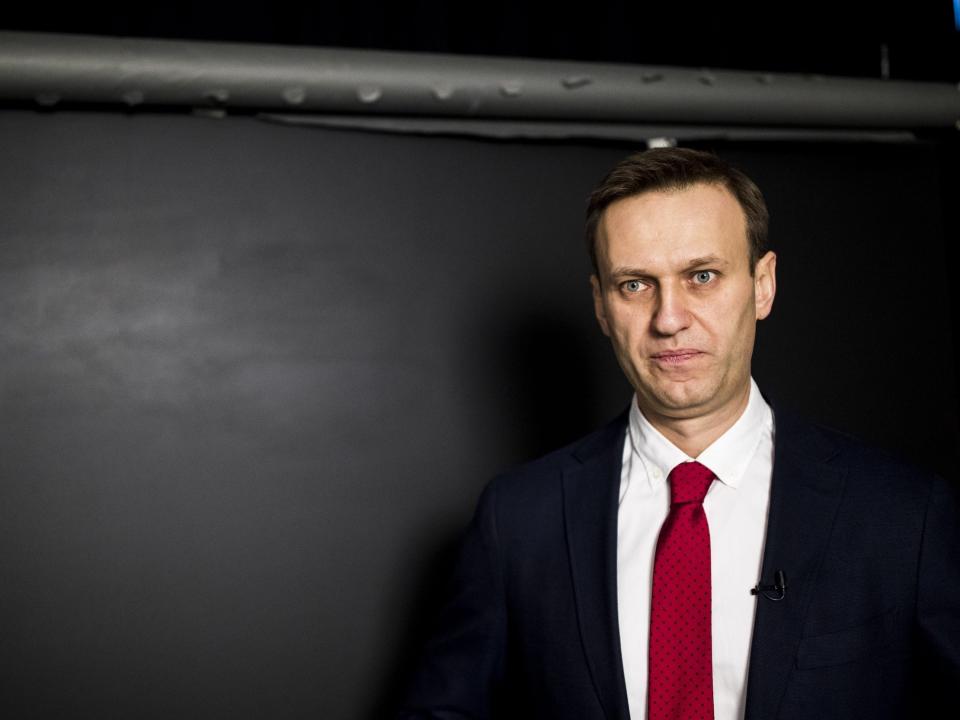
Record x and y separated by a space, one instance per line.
677 357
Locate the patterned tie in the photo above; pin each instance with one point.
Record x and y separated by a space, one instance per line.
681 654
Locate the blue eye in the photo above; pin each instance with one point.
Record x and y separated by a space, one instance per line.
703 277
633 286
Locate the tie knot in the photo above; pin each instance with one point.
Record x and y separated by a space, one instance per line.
689 482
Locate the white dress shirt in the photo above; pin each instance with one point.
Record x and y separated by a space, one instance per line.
736 508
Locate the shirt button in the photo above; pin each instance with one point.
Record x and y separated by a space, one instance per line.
656 474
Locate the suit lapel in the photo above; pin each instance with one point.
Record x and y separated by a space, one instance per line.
804 497
590 492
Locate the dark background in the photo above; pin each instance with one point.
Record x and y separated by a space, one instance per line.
253 376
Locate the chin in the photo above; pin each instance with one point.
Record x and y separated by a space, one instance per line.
679 401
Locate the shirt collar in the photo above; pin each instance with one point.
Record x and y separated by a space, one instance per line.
728 455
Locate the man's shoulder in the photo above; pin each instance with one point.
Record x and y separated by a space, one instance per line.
546 472
861 462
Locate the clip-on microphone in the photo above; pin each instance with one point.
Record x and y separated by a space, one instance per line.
779 586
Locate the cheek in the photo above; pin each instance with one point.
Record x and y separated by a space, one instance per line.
627 334
626 325
735 327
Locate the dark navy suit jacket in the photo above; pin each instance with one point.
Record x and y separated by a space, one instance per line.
869 626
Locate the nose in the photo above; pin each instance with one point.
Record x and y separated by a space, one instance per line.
671 314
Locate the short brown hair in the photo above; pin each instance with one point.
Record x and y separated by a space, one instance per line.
676 169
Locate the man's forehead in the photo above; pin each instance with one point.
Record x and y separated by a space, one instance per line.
674 227
705 203
676 264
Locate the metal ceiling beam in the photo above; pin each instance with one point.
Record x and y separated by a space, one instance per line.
50 69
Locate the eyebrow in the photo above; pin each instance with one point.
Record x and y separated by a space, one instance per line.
691 265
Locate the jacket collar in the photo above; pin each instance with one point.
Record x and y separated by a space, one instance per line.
590 485
805 494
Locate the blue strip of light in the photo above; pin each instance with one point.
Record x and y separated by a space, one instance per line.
956 14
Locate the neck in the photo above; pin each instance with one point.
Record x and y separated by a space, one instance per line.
693 435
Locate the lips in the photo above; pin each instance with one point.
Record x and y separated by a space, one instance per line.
676 357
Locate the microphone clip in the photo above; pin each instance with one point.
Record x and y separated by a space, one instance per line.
775 592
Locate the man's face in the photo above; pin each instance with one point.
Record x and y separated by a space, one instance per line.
676 297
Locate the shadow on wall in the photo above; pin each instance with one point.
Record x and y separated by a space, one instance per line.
547 376
548 382
431 579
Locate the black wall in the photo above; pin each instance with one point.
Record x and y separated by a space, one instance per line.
253 377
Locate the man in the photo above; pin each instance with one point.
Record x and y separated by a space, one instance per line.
703 555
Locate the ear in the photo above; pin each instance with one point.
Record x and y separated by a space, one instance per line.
765 284
598 308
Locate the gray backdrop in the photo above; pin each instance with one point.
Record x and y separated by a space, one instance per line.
253 377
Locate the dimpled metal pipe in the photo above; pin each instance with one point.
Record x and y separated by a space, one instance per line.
50 69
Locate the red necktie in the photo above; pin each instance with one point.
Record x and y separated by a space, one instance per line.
681 655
